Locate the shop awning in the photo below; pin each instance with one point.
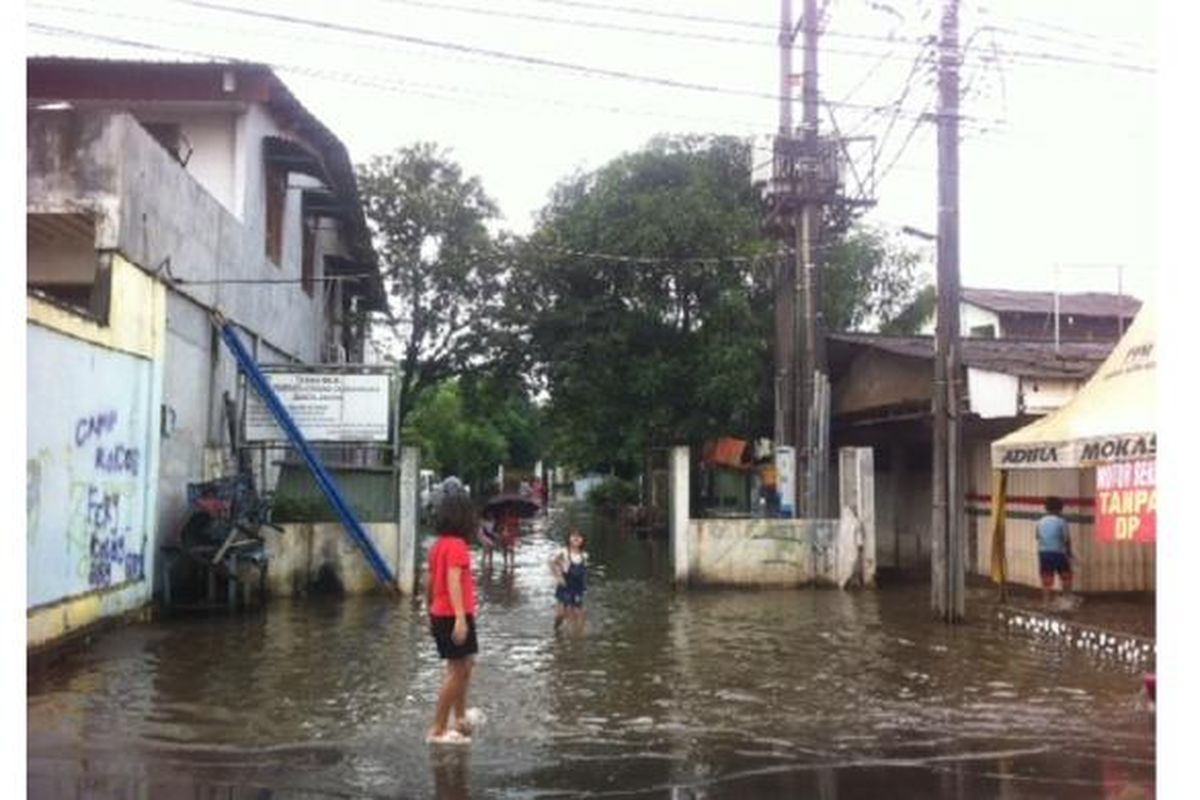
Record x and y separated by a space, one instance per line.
1112 418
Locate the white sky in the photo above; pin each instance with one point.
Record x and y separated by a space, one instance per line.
1068 179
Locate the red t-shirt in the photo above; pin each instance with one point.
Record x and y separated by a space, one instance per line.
450 551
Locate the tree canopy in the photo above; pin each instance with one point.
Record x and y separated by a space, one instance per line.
640 308
469 425
439 263
645 296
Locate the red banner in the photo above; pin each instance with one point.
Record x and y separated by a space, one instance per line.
1126 502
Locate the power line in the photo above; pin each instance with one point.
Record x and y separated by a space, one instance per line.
443 92
912 131
1058 28
842 34
259 281
700 18
492 12
583 69
513 57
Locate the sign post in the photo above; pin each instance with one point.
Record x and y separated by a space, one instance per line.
327 407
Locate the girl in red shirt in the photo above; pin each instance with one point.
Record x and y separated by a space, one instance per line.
450 596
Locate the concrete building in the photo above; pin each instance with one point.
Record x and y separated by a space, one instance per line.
881 396
1015 314
157 193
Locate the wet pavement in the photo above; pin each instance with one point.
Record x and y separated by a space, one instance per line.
709 694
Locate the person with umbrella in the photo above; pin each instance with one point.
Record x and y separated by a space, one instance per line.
508 510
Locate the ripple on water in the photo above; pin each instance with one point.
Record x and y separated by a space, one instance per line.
339 694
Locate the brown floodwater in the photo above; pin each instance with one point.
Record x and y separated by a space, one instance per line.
704 694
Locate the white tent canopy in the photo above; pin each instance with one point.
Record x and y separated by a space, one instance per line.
1112 418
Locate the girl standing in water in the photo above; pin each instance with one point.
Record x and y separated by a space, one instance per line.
450 598
570 569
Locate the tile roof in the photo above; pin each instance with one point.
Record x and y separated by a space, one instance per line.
1022 357
1084 304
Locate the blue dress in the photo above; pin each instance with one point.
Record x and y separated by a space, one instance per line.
571 593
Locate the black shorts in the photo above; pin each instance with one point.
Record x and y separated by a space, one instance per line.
443 628
1050 563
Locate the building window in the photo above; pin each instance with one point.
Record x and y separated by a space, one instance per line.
984 331
276 202
308 255
62 265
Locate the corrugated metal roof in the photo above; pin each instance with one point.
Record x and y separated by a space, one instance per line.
1024 358
1084 304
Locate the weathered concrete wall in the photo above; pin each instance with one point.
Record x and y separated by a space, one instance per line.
749 552
211 135
778 552
304 551
162 219
93 392
882 379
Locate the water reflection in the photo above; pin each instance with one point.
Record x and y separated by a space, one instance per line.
670 694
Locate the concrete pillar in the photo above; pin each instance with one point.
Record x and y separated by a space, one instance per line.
680 503
857 473
406 558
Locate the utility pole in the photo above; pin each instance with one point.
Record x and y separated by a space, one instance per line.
949 577
806 181
809 450
785 282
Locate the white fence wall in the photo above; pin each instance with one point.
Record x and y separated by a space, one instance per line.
90 434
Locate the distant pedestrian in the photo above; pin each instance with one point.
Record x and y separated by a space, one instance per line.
569 566
508 531
450 598
1054 548
488 540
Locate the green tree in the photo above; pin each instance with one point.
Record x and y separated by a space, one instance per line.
670 345
439 262
469 425
872 281
673 343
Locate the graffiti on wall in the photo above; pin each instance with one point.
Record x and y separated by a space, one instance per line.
86 488
104 511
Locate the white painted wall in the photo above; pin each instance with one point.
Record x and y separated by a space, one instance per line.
993 394
211 135
91 453
1041 395
969 316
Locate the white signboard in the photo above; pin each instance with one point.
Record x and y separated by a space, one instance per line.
785 466
326 407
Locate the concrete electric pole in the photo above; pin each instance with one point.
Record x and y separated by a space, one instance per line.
809 451
785 280
948 546
806 182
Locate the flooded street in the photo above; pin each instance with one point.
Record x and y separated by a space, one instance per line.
706 694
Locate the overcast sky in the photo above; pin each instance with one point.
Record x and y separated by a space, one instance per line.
1059 152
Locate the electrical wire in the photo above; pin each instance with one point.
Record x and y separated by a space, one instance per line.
583 69
578 68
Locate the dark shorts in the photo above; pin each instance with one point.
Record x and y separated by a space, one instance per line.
1051 563
569 597
443 628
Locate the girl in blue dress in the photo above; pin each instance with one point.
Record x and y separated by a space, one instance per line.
570 570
